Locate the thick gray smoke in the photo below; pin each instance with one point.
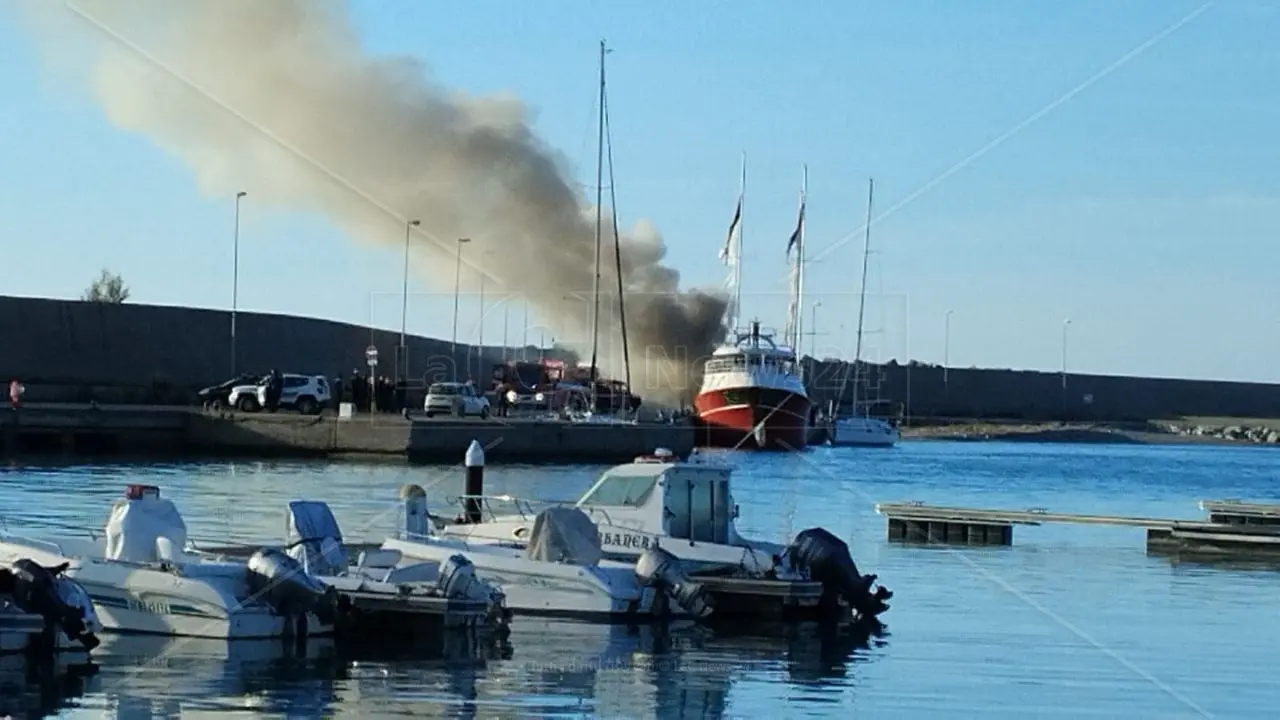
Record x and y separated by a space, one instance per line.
278 98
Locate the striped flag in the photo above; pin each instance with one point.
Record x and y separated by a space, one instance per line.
727 251
795 236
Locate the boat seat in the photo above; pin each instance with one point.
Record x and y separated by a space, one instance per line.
315 539
379 559
168 552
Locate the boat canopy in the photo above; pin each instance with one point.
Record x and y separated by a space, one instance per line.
684 500
145 528
564 535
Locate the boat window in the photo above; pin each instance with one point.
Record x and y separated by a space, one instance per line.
624 490
702 514
677 507
720 510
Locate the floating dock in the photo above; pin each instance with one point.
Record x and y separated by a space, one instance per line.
1233 528
756 599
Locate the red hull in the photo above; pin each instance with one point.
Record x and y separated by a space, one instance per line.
757 418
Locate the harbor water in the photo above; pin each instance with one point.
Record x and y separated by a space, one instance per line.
1072 621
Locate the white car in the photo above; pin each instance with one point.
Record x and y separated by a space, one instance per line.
451 398
307 394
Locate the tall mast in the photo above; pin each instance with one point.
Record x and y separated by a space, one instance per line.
737 250
617 258
862 297
797 277
595 290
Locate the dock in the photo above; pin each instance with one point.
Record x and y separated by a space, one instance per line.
762 600
1233 527
73 429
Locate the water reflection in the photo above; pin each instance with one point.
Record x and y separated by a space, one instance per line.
34 688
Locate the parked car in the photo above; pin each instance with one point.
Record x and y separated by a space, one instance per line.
305 393
454 398
218 396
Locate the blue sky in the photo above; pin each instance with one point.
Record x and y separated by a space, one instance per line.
1146 207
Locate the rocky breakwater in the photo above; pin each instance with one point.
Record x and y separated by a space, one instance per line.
1258 434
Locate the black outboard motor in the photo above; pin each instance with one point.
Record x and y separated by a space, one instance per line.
35 590
281 582
827 559
661 569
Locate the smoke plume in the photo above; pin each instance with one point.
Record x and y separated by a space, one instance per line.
279 99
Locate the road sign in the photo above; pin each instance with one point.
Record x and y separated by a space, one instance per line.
371 356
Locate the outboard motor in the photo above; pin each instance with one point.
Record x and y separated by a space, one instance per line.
62 602
662 570
458 580
281 581
826 558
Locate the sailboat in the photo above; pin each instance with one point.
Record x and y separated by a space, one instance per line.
752 394
610 402
860 429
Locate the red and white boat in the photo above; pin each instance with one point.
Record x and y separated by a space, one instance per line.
752 396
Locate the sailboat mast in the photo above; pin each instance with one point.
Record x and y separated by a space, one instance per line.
799 321
737 251
617 258
862 298
595 290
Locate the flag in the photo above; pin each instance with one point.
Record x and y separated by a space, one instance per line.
795 236
727 251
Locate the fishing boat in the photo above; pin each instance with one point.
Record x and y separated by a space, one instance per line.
686 508
861 429
753 393
140 579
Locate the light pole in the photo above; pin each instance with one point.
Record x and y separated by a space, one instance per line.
506 324
235 282
524 344
1065 324
946 351
813 330
457 283
402 357
484 258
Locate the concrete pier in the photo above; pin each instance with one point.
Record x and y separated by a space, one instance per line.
70 429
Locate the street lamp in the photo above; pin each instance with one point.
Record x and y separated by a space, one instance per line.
946 351
524 344
235 281
484 257
813 331
457 283
403 355
506 325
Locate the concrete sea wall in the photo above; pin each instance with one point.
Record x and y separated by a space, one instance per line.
71 350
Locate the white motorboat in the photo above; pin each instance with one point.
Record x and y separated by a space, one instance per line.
314 540
687 510
41 609
862 431
559 571
140 579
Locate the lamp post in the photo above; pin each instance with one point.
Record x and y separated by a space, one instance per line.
235 282
506 324
524 344
813 330
484 258
946 352
457 284
402 357
1065 324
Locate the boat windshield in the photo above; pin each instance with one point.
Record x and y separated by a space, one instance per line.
620 491
740 361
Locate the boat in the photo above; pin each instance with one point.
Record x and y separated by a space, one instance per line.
140 578
43 610
860 429
446 586
559 571
752 395
686 508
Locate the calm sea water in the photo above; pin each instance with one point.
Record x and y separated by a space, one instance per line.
1070 622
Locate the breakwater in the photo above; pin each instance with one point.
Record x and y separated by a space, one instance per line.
168 431
76 351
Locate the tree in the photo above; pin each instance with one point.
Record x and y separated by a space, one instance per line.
108 288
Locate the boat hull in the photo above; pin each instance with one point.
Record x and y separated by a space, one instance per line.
862 432
759 418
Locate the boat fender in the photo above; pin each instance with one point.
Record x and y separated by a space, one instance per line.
281 582
62 602
826 558
661 569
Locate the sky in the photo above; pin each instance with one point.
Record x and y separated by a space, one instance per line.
1033 163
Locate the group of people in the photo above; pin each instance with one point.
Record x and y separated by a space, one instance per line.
381 395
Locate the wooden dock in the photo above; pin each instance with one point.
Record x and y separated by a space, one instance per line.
1233 527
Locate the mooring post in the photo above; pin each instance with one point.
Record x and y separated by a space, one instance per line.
474 489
